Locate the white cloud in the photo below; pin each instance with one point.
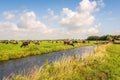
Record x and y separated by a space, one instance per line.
73 24
8 26
51 17
29 21
9 15
93 30
79 22
81 18
86 6
28 27
101 3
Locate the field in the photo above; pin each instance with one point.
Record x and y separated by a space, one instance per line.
104 64
14 51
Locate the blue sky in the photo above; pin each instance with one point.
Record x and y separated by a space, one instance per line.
53 19
110 16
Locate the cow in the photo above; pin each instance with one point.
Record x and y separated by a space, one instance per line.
36 42
67 42
13 42
5 41
76 41
83 41
24 44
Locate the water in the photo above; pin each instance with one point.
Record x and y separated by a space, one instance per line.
26 64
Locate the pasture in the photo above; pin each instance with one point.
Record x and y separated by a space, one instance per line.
14 50
104 64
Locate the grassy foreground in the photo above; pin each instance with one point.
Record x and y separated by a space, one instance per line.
14 51
104 64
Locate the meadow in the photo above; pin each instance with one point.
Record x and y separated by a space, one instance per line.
103 64
14 51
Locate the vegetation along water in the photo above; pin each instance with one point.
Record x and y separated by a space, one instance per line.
102 65
12 50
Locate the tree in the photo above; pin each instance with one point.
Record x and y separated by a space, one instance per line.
93 38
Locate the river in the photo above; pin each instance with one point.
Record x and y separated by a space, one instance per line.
25 65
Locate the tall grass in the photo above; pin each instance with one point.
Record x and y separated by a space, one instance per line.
14 51
104 64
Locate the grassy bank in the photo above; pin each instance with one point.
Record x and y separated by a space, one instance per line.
14 51
104 64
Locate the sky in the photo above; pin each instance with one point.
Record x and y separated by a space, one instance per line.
58 19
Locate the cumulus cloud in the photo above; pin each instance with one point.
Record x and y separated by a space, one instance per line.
28 27
50 17
8 26
80 18
29 21
9 15
76 23
100 3
93 30
86 6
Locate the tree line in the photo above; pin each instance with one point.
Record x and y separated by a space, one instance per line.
104 37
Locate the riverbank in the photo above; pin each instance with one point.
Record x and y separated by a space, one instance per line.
14 51
102 65
25 65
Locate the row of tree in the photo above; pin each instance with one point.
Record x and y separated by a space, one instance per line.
104 37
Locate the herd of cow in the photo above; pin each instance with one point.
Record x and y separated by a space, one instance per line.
25 43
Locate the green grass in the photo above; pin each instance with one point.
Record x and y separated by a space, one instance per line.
14 51
104 64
